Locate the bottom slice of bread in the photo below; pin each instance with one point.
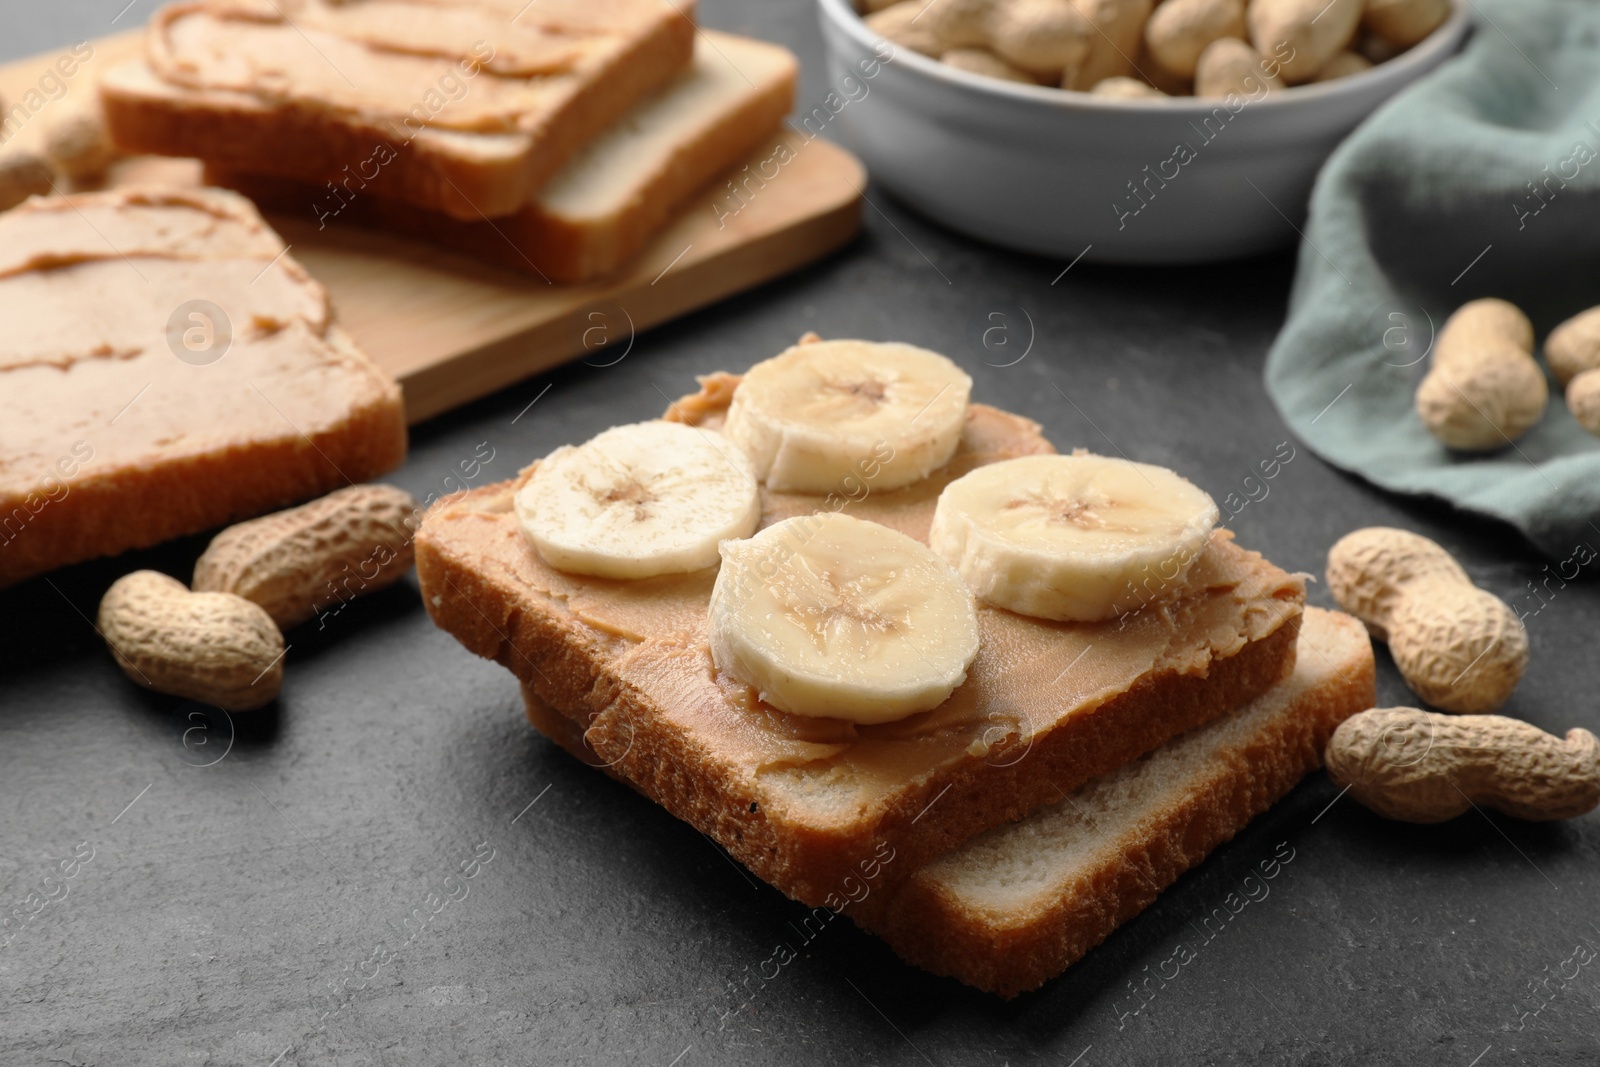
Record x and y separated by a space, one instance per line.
1017 905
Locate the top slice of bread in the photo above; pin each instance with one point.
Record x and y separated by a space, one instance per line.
396 93
615 194
1017 905
167 368
802 801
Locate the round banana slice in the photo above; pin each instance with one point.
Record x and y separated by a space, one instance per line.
641 500
832 616
834 415
1079 537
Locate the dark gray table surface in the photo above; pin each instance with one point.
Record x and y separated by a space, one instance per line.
241 873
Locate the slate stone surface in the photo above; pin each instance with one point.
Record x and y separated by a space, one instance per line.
228 900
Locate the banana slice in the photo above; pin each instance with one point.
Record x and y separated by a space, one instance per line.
828 415
641 500
829 615
1078 537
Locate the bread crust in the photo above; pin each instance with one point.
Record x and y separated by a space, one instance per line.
467 557
143 503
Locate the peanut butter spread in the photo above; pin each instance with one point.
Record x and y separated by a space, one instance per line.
146 325
468 65
1029 674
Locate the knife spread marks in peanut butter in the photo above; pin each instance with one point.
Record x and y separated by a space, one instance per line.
1029 673
378 59
99 279
88 290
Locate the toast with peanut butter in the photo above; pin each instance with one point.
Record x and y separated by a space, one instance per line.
461 106
616 194
803 799
1017 905
168 368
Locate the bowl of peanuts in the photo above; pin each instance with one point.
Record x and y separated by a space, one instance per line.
1120 131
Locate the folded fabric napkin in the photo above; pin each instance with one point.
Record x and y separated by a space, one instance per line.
1482 179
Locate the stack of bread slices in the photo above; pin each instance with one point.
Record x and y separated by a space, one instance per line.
553 137
901 658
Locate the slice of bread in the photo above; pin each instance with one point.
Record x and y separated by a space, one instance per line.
803 801
168 368
622 188
466 108
1017 905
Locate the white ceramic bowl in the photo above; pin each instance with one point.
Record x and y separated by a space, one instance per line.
1054 172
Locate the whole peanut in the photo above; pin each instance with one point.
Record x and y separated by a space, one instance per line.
1342 66
1484 400
1484 389
1229 65
1583 400
1484 320
899 24
1574 346
216 648
1423 767
1302 35
1179 30
23 174
1404 22
1118 30
1043 37
1458 647
294 563
77 145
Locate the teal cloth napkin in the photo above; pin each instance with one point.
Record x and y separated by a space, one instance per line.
1483 179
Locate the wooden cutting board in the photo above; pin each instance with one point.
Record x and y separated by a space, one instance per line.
452 330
